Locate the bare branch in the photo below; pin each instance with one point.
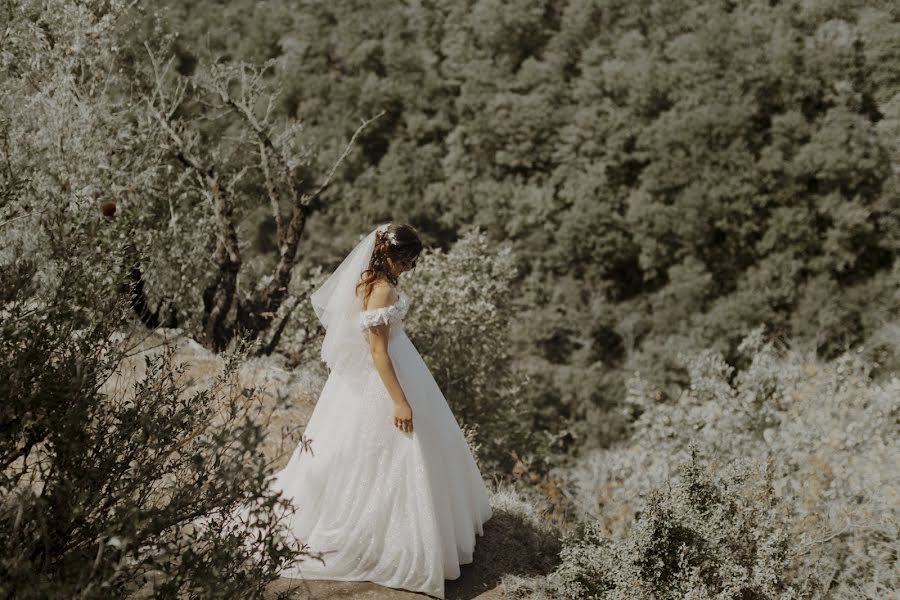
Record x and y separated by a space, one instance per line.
273 193
262 129
325 184
236 178
279 329
276 164
220 292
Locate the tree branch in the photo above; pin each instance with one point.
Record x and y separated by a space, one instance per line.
259 312
220 292
273 194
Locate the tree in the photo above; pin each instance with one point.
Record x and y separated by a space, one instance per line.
183 157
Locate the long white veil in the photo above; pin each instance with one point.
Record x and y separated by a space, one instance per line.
338 307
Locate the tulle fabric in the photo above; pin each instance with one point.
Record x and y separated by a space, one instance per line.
401 509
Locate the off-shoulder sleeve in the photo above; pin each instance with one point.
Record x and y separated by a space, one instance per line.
383 315
375 316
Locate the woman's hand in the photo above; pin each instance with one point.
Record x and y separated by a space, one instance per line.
403 416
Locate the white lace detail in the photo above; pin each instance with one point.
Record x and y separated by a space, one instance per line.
386 314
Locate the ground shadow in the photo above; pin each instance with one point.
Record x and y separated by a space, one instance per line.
511 545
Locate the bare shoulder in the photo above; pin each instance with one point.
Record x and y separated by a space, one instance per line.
382 295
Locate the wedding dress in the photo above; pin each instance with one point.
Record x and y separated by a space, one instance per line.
400 509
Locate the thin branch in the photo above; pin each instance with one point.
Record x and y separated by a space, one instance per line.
219 293
365 123
257 314
279 329
273 193
262 131
235 179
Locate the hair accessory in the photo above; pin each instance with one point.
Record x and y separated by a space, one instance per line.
386 235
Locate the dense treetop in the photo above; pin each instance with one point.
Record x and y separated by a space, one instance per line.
673 173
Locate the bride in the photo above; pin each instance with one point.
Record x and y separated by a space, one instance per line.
390 492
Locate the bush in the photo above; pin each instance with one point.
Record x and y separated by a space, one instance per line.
459 321
101 486
702 536
829 429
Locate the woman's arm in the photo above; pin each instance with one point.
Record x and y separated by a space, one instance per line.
378 345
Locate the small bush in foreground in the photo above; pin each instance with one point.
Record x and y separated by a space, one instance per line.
101 489
706 535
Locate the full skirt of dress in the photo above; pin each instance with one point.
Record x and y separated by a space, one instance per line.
400 509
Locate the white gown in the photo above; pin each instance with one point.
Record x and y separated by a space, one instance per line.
400 509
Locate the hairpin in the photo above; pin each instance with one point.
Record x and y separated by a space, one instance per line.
387 235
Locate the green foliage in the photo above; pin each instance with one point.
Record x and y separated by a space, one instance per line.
826 430
104 487
460 323
705 535
183 159
76 133
683 171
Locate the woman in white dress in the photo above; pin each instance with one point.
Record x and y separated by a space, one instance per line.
390 491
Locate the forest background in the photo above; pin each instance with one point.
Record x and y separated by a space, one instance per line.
668 175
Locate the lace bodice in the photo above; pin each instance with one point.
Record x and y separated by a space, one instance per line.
393 313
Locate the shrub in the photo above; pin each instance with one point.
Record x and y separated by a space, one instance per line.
101 486
703 535
829 430
459 321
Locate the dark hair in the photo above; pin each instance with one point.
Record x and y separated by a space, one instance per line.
401 243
